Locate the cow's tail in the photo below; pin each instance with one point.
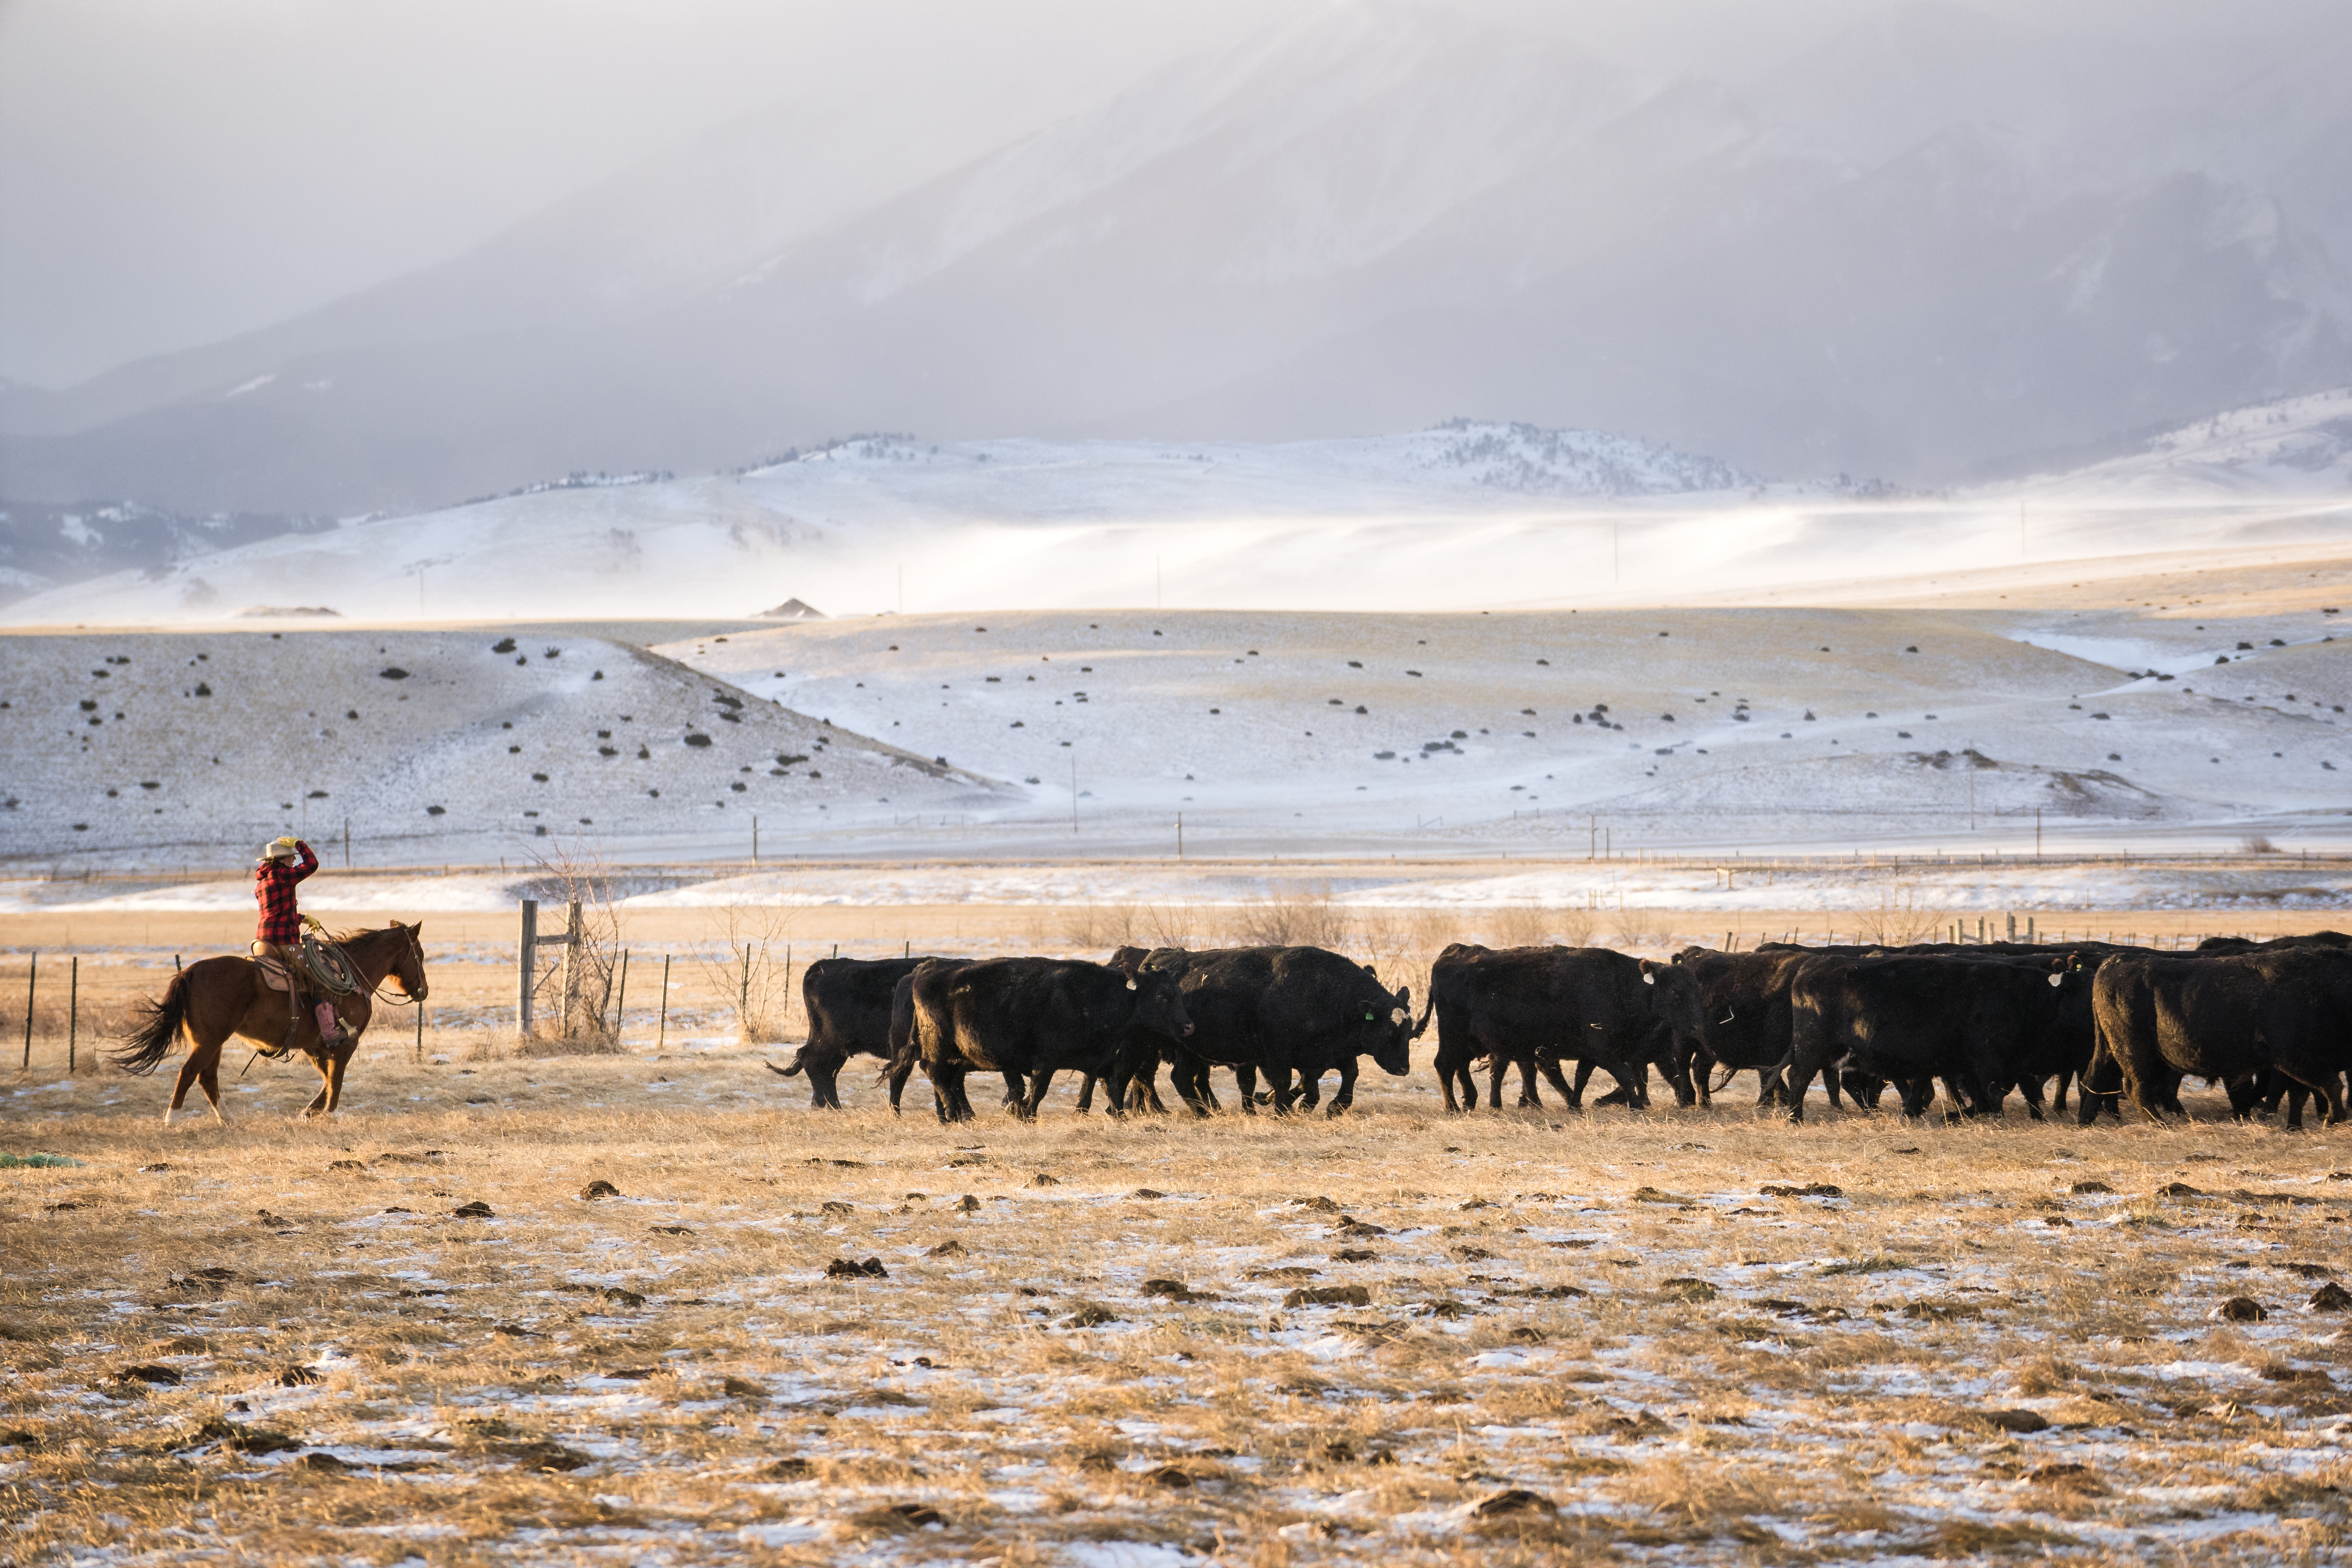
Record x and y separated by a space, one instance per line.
1426 1011
791 1069
143 1050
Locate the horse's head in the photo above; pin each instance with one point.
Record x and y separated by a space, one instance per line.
408 962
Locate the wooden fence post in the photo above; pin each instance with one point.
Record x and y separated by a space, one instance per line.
32 977
661 1031
568 990
621 1002
73 1016
529 960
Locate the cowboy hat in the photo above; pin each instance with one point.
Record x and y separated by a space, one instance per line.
280 848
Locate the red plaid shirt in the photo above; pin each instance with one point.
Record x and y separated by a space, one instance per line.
273 886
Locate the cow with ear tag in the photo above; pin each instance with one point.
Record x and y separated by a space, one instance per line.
1540 1006
1029 1018
1284 1012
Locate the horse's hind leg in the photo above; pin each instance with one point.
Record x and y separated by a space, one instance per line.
188 1069
207 1060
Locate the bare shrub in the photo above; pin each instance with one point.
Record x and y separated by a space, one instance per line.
1517 925
2257 844
1901 916
751 971
1401 944
1168 925
572 985
1637 927
1292 917
1091 925
1534 924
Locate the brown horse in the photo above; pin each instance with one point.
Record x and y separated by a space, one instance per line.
215 998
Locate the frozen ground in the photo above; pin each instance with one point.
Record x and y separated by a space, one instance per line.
1539 1338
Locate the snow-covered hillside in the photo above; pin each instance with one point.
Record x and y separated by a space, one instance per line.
431 747
1718 727
1464 516
1038 733
2297 447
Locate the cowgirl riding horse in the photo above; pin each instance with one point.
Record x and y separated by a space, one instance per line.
218 997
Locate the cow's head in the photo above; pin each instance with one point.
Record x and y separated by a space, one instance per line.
1128 960
1160 1003
1674 998
1393 1033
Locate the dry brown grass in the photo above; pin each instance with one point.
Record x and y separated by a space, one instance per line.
1802 1409
1833 1396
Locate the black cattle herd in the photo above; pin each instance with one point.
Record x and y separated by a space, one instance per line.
2268 1021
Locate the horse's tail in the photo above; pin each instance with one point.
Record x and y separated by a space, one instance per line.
143 1050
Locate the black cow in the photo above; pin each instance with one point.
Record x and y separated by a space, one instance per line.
2161 1019
1539 1006
905 1057
1970 1021
848 1005
1743 1017
2237 944
1280 1010
1036 1016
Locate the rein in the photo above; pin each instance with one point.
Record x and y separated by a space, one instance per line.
378 994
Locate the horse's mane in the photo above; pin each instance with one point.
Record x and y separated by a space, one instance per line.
357 934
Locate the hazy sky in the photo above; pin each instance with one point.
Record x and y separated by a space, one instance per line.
175 171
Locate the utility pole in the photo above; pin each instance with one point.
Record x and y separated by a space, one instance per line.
1074 794
1616 575
1180 835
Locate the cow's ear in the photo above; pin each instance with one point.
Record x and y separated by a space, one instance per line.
1404 997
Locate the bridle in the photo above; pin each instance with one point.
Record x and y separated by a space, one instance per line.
378 994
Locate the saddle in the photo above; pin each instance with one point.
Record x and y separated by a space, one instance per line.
326 972
324 969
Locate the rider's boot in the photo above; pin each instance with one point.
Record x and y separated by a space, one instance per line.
331 1027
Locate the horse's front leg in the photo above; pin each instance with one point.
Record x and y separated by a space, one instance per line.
343 1055
206 1061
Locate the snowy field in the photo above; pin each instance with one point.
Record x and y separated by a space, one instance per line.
1067 736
